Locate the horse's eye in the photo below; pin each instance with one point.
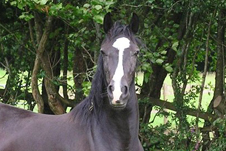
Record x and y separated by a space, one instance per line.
102 52
136 53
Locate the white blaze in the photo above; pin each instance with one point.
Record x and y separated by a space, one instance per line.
121 44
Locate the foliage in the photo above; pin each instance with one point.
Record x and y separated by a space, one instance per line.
164 137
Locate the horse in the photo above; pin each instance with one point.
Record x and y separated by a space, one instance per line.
106 120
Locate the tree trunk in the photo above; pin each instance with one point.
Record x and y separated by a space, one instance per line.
47 109
43 60
152 89
218 108
53 99
34 85
79 70
65 63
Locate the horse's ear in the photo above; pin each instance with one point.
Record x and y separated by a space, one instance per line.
107 22
134 23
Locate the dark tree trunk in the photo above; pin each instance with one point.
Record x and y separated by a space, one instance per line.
46 109
65 63
79 71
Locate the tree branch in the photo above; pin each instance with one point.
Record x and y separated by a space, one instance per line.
203 76
34 79
189 111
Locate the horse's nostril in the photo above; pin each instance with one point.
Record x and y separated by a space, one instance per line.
111 88
117 101
125 90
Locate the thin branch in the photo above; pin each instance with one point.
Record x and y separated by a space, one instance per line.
189 111
91 58
203 76
31 32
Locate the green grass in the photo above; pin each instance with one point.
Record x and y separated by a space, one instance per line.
3 78
169 96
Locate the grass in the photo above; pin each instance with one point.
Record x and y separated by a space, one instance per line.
167 94
3 78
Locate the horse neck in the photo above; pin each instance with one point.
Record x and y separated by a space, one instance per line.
125 121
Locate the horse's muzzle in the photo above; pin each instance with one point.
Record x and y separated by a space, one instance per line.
118 95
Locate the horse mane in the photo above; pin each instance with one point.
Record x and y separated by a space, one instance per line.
119 29
93 102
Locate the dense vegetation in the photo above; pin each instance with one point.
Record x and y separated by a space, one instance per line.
49 50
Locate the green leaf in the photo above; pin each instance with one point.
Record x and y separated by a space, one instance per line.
98 7
159 61
175 45
156 54
43 2
86 5
58 6
13 3
150 1
169 68
146 77
163 52
98 18
26 16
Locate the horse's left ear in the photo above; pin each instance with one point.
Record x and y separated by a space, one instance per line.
108 23
134 23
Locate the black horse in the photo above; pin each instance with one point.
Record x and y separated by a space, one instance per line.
107 120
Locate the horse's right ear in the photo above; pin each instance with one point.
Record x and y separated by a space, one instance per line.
134 23
107 22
